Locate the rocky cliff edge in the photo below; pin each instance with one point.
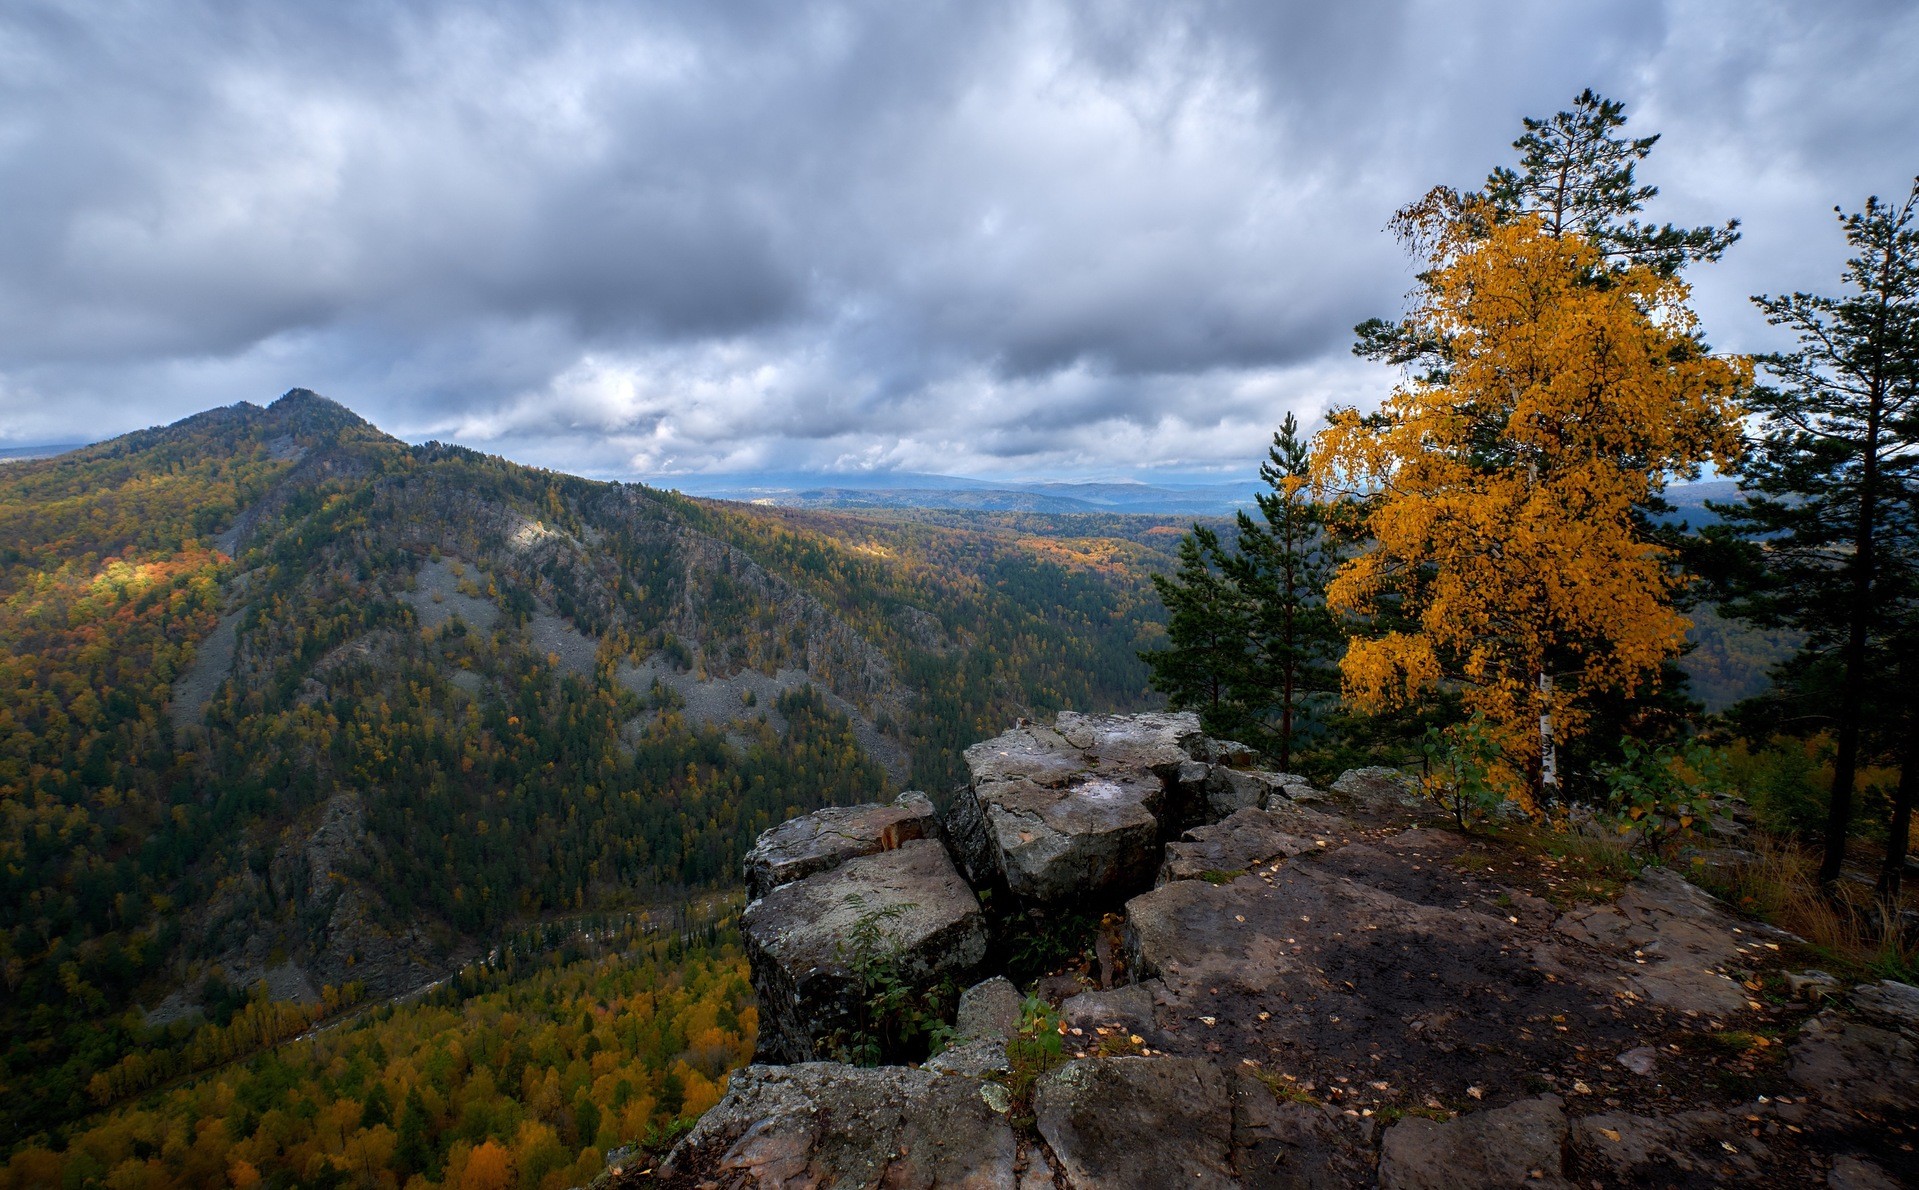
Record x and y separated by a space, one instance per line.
1285 987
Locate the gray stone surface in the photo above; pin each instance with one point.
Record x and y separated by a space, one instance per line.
1638 1150
798 939
989 1009
825 839
1129 1008
1158 741
1379 788
1227 752
1674 937
1515 1146
1889 1004
1056 821
1856 1173
827 1125
980 1057
1853 1065
1247 838
1289 1145
1138 1123
1230 790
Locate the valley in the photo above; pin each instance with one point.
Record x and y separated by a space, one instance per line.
290 705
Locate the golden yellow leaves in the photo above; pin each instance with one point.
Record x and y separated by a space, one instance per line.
1499 494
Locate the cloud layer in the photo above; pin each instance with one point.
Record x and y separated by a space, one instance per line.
1020 238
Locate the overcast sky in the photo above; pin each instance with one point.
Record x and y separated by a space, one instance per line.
1012 239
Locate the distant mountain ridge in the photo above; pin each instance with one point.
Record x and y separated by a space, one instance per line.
286 700
911 490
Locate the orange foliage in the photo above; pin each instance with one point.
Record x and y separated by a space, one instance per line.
1499 496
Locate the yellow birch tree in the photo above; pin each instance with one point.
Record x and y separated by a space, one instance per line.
1498 491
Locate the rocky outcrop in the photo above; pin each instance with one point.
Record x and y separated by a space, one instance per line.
1051 823
907 907
825 839
1077 812
1326 995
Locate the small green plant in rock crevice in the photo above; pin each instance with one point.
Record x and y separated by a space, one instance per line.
1034 1049
1039 943
893 1020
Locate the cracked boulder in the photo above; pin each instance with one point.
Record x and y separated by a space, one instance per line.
1231 848
825 839
1071 813
1229 790
802 942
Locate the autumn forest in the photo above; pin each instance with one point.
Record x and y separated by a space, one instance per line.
371 814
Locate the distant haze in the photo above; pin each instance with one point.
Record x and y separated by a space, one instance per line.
1018 240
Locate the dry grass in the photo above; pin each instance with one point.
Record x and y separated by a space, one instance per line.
1779 884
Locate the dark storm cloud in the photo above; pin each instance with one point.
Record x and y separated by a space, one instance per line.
1020 236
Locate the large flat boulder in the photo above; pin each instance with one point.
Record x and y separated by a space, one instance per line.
1379 789
1056 823
802 940
1158 741
825 839
1231 848
827 1125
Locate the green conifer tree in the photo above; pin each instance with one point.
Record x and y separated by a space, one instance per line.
1207 628
1578 174
1831 512
1249 635
1280 569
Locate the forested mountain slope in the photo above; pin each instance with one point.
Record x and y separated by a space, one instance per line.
285 699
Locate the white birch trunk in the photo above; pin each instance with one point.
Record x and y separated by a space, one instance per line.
1548 751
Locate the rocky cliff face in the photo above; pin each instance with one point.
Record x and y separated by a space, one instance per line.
1315 989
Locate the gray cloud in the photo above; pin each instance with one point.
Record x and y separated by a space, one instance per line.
1021 237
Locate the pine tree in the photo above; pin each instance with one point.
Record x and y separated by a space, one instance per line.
1830 511
1577 175
415 1152
1203 668
1281 569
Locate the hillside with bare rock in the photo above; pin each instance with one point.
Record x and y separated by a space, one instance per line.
296 711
